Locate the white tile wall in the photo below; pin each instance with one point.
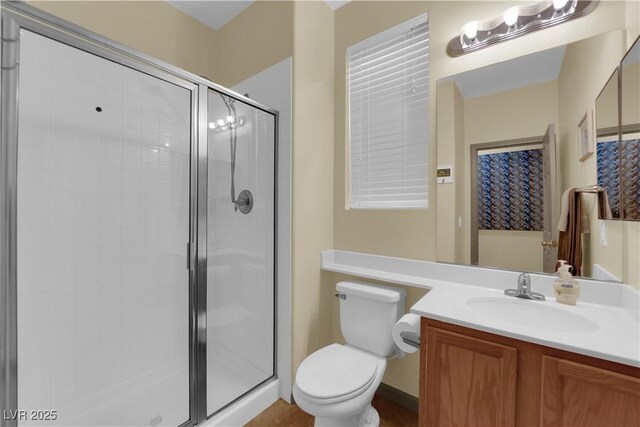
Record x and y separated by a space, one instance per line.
102 230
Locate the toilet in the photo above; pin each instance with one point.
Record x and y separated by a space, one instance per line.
336 383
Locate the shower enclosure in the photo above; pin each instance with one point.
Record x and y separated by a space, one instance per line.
137 234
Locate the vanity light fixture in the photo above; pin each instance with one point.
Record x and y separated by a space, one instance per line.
515 22
511 16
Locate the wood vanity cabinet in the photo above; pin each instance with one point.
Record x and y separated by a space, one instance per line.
474 378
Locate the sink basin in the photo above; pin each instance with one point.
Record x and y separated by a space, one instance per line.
531 314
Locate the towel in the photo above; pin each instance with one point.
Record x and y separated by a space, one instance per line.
604 210
564 211
563 221
570 241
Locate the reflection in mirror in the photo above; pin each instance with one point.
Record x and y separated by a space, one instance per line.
630 120
607 147
511 130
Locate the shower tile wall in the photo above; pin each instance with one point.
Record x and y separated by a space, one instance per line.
103 216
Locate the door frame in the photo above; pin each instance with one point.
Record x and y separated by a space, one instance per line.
16 15
474 149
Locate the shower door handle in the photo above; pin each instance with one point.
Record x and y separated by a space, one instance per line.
189 256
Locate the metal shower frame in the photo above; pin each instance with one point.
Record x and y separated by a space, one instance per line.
16 15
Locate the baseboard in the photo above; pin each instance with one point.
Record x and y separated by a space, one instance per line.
398 396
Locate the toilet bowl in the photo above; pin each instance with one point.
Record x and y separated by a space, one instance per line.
336 384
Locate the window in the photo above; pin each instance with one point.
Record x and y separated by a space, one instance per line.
388 88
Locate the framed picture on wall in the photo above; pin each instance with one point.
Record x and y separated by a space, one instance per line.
586 135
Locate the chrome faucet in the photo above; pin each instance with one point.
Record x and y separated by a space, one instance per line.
524 289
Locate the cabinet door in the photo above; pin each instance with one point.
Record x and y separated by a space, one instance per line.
469 381
574 394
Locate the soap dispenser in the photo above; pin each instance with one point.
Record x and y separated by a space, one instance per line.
565 287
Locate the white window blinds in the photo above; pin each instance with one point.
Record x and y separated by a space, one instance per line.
388 86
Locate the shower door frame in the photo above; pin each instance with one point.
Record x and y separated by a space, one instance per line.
16 15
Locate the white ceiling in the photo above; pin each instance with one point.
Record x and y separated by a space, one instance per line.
335 4
527 70
216 13
213 13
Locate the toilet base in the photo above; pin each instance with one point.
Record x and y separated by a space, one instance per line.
367 418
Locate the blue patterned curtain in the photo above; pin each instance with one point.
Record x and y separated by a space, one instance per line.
608 166
510 190
631 179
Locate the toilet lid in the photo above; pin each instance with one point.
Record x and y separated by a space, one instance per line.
334 371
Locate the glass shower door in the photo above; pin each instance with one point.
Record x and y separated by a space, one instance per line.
102 226
240 249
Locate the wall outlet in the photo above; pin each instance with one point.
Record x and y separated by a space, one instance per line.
603 233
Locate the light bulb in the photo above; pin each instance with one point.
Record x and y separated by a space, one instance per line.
229 119
559 4
471 30
212 125
220 123
511 16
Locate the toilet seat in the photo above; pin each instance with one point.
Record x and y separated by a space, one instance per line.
336 373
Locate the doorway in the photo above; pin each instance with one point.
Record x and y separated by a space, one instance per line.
513 202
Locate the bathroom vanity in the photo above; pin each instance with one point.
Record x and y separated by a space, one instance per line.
469 377
488 359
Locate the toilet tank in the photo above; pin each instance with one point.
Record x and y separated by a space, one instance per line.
367 314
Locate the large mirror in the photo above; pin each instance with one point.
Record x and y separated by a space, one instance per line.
607 144
630 133
522 137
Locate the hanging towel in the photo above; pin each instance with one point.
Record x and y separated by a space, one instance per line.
604 210
570 241
564 211
563 221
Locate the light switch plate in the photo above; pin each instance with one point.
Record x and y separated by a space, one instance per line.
603 233
445 174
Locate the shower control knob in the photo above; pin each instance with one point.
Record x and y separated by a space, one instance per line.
245 201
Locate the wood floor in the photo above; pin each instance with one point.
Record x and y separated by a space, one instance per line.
283 414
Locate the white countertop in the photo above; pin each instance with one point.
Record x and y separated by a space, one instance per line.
611 310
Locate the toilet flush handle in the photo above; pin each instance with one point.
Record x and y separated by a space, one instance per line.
341 296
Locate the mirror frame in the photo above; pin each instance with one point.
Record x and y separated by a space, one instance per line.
621 128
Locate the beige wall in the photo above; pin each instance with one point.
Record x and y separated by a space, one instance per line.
518 113
259 37
312 179
450 197
152 27
630 94
510 249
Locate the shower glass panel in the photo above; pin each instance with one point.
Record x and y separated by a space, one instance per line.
103 221
240 249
